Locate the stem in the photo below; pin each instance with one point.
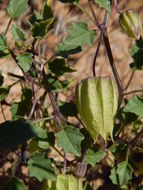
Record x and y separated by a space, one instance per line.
6 30
43 119
112 62
134 141
3 114
131 92
116 6
84 11
93 13
97 50
57 151
130 79
15 166
127 154
65 162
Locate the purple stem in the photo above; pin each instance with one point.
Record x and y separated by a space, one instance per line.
97 50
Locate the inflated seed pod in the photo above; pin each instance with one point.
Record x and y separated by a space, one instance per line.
97 101
131 24
68 182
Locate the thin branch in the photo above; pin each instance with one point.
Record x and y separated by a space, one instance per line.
2 111
137 138
97 50
65 162
43 119
6 30
133 91
93 13
116 7
85 12
57 151
130 79
112 62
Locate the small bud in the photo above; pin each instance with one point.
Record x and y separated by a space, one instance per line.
131 24
19 43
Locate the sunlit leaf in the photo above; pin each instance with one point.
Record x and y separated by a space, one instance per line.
17 8
70 139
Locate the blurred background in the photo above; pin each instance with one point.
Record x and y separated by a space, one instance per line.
65 15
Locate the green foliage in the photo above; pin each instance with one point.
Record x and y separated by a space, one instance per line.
58 66
24 106
13 133
4 91
25 61
14 184
69 139
104 4
68 109
3 46
48 121
40 167
135 106
17 33
93 157
122 174
17 8
137 54
78 36
1 79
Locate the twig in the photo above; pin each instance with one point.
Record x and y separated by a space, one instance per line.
84 11
134 141
116 6
97 50
130 79
2 111
57 151
133 91
93 13
43 119
6 30
112 62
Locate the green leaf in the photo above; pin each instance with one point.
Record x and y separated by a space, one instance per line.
70 139
17 33
13 133
94 157
4 93
67 108
135 106
58 85
17 8
1 79
40 167
40 29
19 109
46 11
104 4
137 54
43 144
78 36
123 173
25 61
3 43
14 184
59 67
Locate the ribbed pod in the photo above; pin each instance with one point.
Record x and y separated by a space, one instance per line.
131 23
96 101
68 182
